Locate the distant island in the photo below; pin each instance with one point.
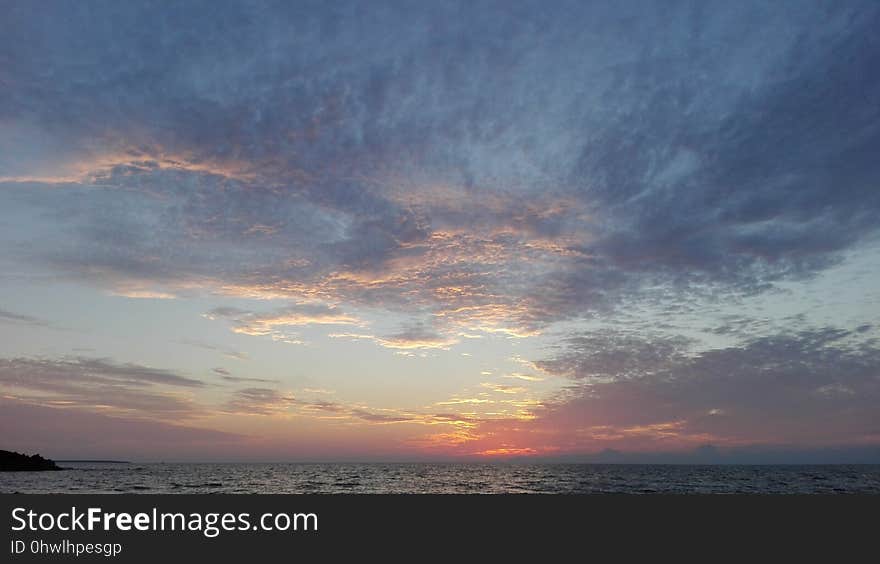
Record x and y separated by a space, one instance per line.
91 461
17 462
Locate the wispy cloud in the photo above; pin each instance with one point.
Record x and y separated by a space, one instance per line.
259 401
414 337
11 317
273 324
504 389
524 377
76 433
100 384
227 376
240 379
225 351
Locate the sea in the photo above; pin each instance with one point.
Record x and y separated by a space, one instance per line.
451 478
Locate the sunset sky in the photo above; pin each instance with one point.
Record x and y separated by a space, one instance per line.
419 231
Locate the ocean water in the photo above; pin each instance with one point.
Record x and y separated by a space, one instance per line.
442 478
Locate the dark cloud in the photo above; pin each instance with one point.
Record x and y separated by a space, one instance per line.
815 386
612 356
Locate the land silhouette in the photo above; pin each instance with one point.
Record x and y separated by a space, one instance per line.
17 462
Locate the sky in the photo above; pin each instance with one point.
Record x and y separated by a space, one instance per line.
305 231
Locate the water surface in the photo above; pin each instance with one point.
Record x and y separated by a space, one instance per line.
443 478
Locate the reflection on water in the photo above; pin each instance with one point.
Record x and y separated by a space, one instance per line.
443 478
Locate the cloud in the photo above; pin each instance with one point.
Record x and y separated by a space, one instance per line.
259 401
100 384
516 186
503 389
352 413
239 379
269 401
524 377
379 417
268 324
408 339
11 317
227 376
97 369
237 355
328 406
816 386
63 433
614 355
143 294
